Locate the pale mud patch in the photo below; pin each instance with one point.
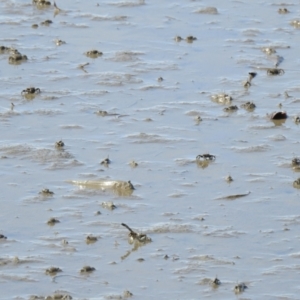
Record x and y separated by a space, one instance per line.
199 218
12 21
157 108
128 3
290 220
194 113
285 163
74 25
279 296
251 32
184 161
37 199
16 278
82 192
225 232
58 245
242 41
64 165
157 87
87 175
250 149
57 295
295 101
144 67
127 56
118 79
169 214
295 255
110 18
211 259
92 93
279 269
143 138
259 177
207 10
172 228
42 112
59 78
262 126
40 155
71 126
208 281
282 4
18 261
9 114
251 61
189 184
67 248
277 138
107 226
178 194
191 268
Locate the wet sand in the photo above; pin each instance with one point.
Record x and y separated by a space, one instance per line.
199 229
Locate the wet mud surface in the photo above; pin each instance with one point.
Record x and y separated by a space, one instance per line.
121 92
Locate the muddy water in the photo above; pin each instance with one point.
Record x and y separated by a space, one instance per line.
190 212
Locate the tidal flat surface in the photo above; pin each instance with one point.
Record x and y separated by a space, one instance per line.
147 99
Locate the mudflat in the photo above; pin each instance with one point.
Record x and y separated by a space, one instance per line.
159 88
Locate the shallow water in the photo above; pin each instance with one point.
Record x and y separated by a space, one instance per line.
183 207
